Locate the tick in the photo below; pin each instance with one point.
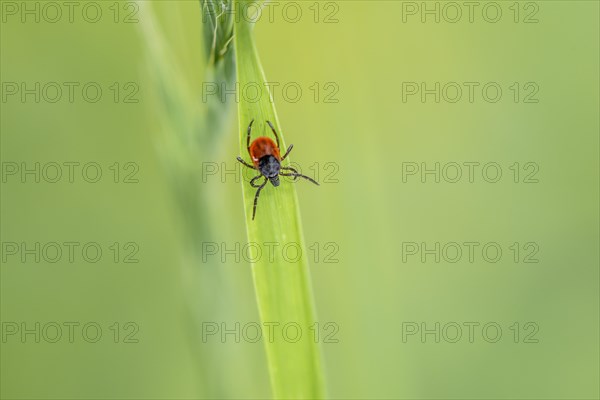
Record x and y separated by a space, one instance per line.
266 159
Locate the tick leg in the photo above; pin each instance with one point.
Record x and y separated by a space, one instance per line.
275 133
248 137
301 176
245 163
256 196
253 180
290 169
287 152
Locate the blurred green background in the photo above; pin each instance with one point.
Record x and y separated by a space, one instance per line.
367 50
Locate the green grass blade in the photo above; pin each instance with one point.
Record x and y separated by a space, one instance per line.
283 289
187 132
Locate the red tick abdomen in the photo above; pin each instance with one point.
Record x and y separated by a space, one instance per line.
263 146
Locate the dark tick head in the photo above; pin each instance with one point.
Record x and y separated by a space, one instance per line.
269 166
275 181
